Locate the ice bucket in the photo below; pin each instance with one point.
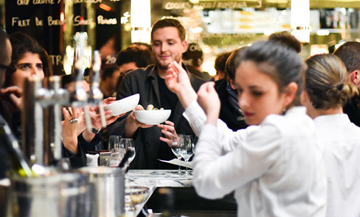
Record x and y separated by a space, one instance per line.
56 195
109 190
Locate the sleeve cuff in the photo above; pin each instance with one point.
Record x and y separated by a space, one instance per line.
193 111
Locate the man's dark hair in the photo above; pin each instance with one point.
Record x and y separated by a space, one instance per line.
230 66
349 53
287 39
169 23
4 54
141 56
108 72
193 56
220 61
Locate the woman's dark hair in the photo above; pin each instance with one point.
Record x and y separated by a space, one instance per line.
230 67
280 62
326 82
22 43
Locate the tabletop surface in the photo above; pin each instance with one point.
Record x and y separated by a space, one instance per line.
154 179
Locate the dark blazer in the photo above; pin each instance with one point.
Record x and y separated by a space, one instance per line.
228 114
147 141
352 109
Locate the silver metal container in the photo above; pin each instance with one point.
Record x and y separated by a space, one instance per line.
109 190
4 196
59 195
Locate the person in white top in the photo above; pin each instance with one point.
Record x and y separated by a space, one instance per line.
326 89
275 167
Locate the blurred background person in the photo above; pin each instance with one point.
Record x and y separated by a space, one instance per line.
326 90
193 59
5 60
108 82
349 53
220 63
230 111
133 57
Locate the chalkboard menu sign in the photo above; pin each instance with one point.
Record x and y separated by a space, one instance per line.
48 21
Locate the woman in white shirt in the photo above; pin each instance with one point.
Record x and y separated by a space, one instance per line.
326 89
275 166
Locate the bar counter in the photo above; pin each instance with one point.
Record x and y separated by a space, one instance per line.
171 191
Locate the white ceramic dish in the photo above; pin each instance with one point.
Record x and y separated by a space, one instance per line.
123 105
152 117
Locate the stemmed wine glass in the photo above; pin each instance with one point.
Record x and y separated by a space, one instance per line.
114 148
128 144
175 147
114 143
186 150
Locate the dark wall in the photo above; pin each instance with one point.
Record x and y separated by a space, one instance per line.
42 21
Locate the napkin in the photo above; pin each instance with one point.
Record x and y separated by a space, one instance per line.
178 162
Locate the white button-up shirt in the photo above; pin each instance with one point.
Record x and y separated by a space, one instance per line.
341 140
276 168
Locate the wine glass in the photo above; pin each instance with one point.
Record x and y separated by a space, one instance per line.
115 159
186 150
114 143
128 144
175 147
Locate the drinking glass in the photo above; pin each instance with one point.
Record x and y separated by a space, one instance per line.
115 159
128 144
114 143
175 147
186 150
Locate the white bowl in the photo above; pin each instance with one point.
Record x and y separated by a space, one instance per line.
152 117
123 105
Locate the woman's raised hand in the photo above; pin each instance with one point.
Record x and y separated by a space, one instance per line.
178 81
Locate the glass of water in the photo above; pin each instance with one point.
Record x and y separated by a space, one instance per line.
186 149
175 147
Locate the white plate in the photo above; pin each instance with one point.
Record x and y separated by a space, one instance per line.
123 105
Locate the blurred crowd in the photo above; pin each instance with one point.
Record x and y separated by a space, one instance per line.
279 131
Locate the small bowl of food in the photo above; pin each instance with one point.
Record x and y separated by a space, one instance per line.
123 105
152 116
135 195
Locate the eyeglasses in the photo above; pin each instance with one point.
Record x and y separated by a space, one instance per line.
9 69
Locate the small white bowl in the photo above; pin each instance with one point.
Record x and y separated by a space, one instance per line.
152 117
123 105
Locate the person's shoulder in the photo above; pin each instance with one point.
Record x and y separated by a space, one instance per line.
196 79
139 73
294 123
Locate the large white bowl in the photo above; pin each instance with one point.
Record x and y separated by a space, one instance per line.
123 105
152 117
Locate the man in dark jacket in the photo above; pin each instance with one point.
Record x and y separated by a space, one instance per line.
168 45
349 53
5 59
230 111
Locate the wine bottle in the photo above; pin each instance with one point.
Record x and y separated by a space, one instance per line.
19 165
